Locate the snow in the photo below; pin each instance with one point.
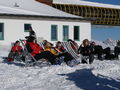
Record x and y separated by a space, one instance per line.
8 10
31 7
111 42
107 43
86 3
101 75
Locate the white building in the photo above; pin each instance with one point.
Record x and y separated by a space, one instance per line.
51 24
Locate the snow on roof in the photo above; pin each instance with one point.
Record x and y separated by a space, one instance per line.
31 7
9 10
86 3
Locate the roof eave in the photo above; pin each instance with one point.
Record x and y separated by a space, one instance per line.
53 17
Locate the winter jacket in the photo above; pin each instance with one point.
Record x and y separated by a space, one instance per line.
33 48
53 50
97 49
85 50
16 49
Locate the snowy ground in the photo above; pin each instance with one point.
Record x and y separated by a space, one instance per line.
101 75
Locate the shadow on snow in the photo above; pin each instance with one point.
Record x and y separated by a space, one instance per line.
86 80
15 63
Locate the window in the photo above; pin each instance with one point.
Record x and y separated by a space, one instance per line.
54 32
65 33
76 33
1 31
27 27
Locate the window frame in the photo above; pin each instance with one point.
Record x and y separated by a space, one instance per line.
25 30
67 33
2 31
78 33
56 32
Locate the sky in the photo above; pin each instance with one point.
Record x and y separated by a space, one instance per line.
102 34
115 2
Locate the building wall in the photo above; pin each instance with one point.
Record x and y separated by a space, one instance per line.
14 29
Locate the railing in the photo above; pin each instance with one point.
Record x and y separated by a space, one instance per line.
104 16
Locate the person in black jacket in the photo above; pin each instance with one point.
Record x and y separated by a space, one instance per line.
117 50
32 32
98 50
86 50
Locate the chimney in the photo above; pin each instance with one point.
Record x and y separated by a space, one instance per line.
48 2
16 5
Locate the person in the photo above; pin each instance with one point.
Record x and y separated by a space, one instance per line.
32 32
107 52
60 47
16 50
45 41
97 50
117 50
37 52
67 57
86 50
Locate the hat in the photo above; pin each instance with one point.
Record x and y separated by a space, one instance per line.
16 42
26 37
30 38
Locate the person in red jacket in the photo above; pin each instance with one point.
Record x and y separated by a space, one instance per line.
37 52
16 50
